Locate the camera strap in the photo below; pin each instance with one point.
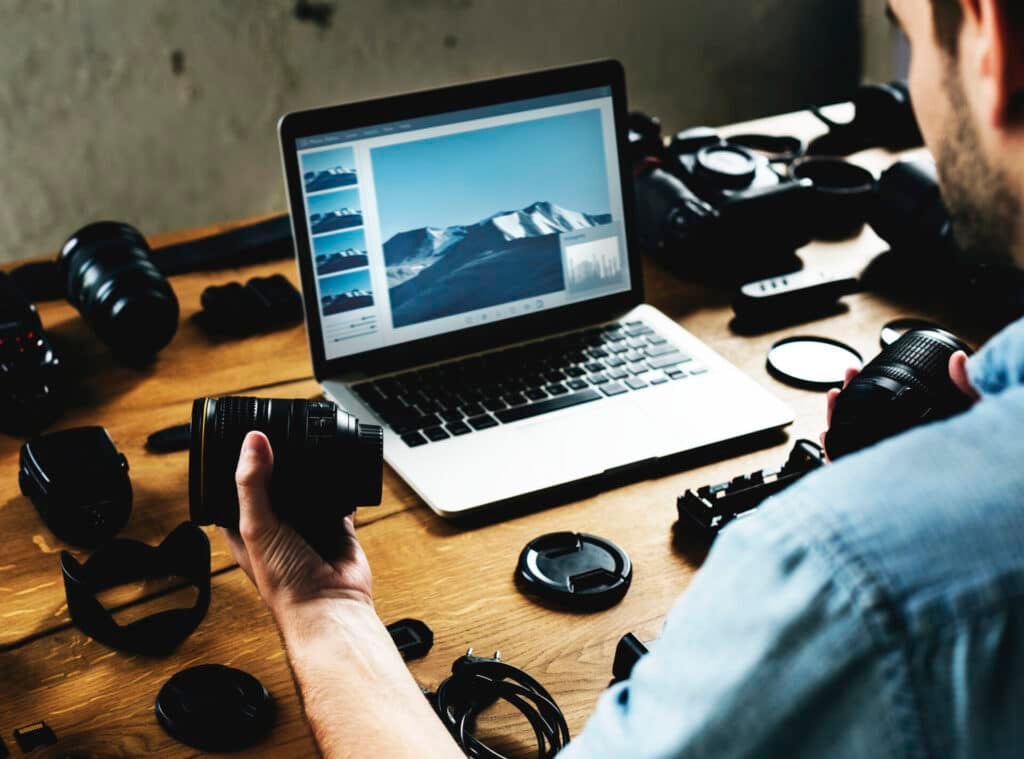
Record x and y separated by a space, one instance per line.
267 240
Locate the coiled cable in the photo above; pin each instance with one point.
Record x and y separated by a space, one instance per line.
476 683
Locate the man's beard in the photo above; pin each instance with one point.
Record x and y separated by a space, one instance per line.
980 197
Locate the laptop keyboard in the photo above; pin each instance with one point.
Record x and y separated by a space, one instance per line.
460 397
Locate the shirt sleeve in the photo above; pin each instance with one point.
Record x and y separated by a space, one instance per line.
999 365
764 655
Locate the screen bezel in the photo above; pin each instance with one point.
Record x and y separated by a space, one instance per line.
300 124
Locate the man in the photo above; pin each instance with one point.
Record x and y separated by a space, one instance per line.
874 609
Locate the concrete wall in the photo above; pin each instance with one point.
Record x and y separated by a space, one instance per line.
884 50
162 113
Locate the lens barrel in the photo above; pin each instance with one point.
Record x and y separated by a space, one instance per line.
326 463
109 277
907 384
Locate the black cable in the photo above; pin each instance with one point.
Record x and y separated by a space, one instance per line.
476 683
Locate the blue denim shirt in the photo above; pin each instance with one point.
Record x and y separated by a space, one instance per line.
873 609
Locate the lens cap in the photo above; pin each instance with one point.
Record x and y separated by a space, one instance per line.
215 708
575 570
897 328
812 363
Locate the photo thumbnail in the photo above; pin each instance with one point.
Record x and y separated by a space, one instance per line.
334 211
340 252
329 169
345 292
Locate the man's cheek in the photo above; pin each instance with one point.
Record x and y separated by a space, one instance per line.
928 96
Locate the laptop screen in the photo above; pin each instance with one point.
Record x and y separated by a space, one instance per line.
431 225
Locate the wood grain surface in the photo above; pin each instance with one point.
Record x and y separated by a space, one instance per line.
459 580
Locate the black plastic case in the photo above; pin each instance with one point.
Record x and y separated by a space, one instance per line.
78 481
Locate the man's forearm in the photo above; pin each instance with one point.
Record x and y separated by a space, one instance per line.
358 694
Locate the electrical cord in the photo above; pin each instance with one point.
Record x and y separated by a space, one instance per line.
476 683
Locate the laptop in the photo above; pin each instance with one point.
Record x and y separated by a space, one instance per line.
472 283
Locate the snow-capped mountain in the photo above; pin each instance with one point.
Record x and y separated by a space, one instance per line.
407 254
342 260
332 220
347 253
349 294
346 301
327 179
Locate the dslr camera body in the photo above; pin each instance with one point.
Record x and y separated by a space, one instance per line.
712 206
31 373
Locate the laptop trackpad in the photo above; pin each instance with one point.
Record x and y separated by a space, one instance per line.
588 440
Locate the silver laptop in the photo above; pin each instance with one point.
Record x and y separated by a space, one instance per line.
471 283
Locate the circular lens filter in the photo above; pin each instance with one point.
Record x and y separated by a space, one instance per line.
575 570
897 328
813 363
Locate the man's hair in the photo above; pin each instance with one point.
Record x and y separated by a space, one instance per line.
949 16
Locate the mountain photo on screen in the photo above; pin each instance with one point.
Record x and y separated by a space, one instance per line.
334 211
345 292
338 252
328 169
474 219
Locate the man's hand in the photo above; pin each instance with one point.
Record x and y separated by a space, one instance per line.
957 373
287 572
356 691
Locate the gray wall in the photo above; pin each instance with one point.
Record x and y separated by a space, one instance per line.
162 113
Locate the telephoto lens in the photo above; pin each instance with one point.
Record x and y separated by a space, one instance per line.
907 384
326 463
109 277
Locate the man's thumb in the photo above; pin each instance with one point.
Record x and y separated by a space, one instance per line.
256 519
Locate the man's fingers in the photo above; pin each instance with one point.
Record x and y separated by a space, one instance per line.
850 374
958 374
830 405
256 518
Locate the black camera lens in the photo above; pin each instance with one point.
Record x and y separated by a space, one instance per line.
109 277
910 214
907 384
325 462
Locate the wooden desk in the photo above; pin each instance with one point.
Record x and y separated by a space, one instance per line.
100 702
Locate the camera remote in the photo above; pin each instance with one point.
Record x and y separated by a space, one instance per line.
792 296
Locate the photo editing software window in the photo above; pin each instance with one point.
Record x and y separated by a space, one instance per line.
436 224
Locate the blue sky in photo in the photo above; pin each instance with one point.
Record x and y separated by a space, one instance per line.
328 159
342 283
341 241
466 177
333 201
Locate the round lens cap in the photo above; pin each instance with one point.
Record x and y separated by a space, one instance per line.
215 708
897 328
575 570
813 363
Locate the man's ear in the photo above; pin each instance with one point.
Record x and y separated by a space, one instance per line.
1000 26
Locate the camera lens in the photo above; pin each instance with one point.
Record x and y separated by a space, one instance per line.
325 462
109 277
905 385
727 166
